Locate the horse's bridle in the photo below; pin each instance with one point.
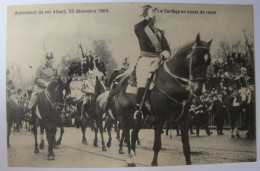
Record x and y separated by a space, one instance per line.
54 104
188 82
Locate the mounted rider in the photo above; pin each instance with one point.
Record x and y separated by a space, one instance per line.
44 75
88 88
113 81
154 48
17 98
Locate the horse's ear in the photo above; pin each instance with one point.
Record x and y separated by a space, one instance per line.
209 43
198 38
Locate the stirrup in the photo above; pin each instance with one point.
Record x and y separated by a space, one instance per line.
138 115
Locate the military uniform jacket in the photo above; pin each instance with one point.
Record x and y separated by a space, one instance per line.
150 39
114 75
44 75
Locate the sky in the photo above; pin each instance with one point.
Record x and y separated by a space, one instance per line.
29 37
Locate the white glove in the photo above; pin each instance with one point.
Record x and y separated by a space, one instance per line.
165 55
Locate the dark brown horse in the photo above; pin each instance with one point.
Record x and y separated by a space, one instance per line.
92 117
176 81
14 114
49 106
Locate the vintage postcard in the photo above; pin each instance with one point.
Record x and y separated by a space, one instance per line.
110 85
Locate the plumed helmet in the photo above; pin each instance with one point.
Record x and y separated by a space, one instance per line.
145 10
49 55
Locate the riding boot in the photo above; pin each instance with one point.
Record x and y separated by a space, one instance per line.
138 114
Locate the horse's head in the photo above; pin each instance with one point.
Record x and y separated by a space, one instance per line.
199 59
58 88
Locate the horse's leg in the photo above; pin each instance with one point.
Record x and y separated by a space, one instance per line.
121 143
185 141
9 133
131 160
51 129
100 125
94 125
109 129
157 142
167 128
83 130
42 137
118 132
61 134
18 125
134 137
36 148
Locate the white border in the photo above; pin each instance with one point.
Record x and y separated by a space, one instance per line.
3 152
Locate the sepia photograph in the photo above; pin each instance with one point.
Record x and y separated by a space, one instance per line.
134 84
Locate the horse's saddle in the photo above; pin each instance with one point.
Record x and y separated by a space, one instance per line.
132 84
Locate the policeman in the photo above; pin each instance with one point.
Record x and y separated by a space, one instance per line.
44 75
153 46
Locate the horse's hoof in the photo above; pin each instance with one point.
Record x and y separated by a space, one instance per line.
95 144
51 157
58 142
36 150
138 142
108 144
154 164
232 136
121 151
42 145
131 164
237 136
104 148
85 142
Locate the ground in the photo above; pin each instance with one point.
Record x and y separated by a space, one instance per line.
73 154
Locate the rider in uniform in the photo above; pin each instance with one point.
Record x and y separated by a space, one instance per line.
44 75
88 88
154 47
113 81
17 97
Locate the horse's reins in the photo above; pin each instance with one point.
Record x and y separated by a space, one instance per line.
188 81
50 99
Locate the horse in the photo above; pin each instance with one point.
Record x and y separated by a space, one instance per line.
175 81
14 114
91 116
47 114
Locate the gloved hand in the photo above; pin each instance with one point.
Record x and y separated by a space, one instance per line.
164 55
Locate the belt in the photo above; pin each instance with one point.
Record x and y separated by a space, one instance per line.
150 54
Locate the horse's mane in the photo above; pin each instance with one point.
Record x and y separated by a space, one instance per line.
184 51
124 81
